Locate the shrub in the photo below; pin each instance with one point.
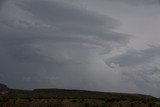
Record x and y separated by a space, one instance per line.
74 100
86 105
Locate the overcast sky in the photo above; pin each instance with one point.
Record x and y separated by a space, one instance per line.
102 45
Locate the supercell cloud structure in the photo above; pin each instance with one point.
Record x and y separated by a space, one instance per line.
63 44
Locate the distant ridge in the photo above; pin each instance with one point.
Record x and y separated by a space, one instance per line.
72 98
69 93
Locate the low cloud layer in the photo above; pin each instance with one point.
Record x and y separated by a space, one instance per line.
139 68
134 57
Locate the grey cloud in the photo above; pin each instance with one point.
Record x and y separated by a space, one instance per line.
63 20
134 57
70 21
54 11
138 2
48 43
139 68
1 2
145 79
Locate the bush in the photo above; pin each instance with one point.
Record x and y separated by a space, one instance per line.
86 105
74 100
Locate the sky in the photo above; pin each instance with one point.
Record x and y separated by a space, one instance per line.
100 45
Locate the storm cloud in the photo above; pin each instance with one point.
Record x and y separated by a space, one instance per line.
47 42
61 44
134 57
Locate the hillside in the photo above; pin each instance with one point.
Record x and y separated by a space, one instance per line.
74 98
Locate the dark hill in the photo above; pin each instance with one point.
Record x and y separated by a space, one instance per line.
110 96
73 98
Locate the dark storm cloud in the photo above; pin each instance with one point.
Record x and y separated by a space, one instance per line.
73 22
1 2
57 44
53 12
69 21
134 57
44 43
